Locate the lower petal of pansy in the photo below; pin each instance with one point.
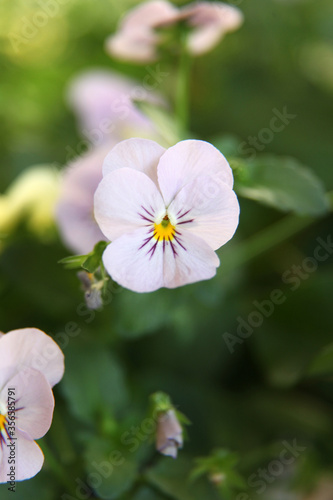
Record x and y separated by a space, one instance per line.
28 456
135 261
142 263
193 261
207 208
126 200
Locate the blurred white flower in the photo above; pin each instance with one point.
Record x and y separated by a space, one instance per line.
104 103
137 38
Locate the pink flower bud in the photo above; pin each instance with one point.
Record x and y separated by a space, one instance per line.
169 436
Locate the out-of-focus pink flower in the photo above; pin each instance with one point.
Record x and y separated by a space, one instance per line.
75 208
137 38
169 434
210 22
104 104
165 211
31 363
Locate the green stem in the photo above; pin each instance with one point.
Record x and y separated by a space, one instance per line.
182 87
265 240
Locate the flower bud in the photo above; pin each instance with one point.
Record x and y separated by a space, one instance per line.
169 436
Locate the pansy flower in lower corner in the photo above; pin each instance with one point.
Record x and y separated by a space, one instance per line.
31 363
165 211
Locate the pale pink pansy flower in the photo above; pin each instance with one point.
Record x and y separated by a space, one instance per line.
169 434
75 208
165 211
104 103
138 38
31 363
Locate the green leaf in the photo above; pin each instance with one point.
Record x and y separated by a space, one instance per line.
282 183
94 258
73 261
115 470
323 362
94 381
171 477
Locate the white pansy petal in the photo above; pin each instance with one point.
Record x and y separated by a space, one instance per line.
29 459
185 161
34 402
135 261
126 200
207 208
32 348
194 261
138 154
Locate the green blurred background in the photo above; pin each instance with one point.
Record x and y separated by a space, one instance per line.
273 388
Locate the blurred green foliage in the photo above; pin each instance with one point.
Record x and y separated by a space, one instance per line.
277 384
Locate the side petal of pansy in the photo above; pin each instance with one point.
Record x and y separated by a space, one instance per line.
185 161
135 261
126 200
140 154
208 208
32 348
34 401
210 22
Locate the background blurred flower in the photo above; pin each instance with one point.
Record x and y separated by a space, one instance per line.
137 39
104 103
31 363
165 211
31 198
75 208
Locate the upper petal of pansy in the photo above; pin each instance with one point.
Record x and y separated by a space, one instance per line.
185 161
210 21
34 400
207 208
126 200
32 348
29 461
139 154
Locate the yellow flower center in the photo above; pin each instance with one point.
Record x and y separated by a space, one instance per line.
165 230
2 422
